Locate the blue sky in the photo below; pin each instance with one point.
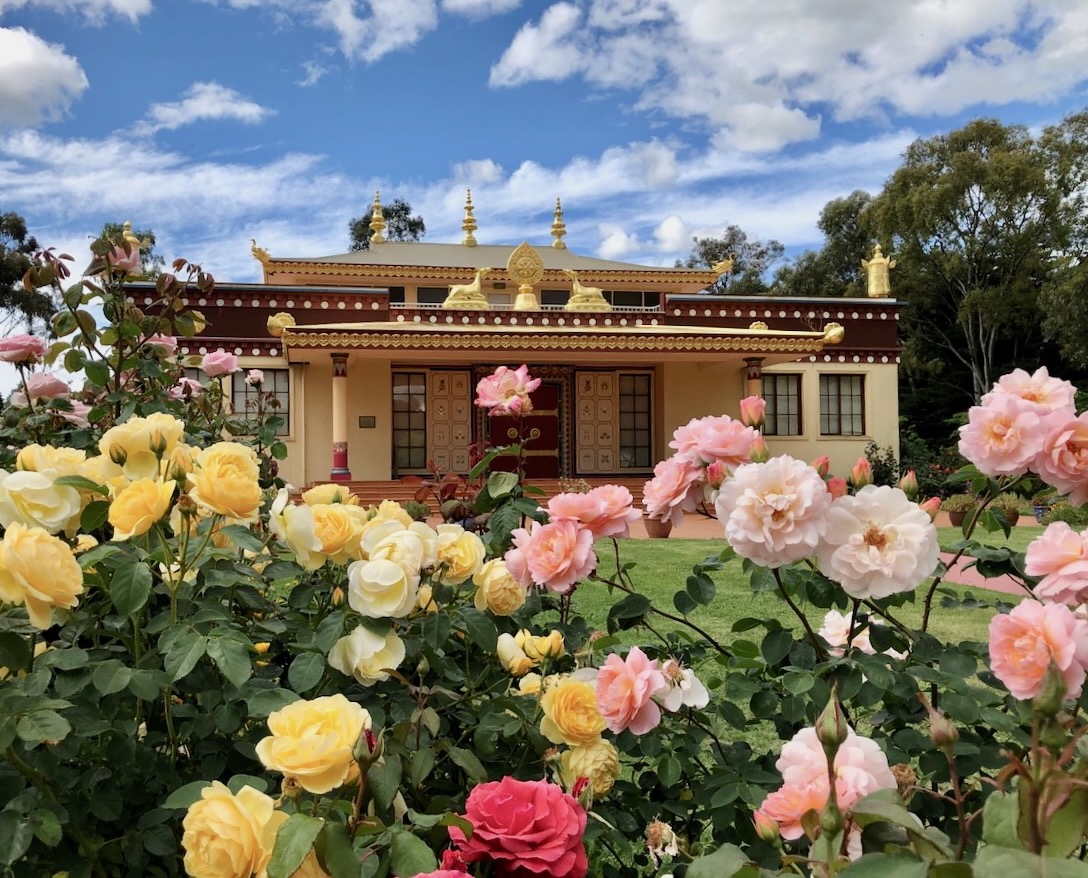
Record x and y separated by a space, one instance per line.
654 120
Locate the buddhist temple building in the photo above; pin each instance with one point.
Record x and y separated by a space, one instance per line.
375 355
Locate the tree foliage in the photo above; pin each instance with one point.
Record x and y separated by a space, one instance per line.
400 225
835 269
153 263
751 260
17 249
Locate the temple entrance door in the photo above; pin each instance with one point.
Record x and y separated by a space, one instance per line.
541 427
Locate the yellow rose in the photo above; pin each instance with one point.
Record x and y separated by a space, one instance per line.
497 590
388 510
313 742
598 760
179 463
540 647
530 684
367 656
139 506
228 836
50 461
460 551
224 481
425 599
338 531
32 499
38 570
570 713
139 443
103 471
330 493
512 656
84 543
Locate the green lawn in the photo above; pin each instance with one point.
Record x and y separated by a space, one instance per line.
662 567
1018 539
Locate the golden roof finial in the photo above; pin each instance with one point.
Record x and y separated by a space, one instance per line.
377 220
259 253
559 228
126 231
469 225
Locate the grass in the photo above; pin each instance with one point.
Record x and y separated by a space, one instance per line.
662 567
1017 540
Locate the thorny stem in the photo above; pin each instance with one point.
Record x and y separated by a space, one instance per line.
957 798
853 623
813 638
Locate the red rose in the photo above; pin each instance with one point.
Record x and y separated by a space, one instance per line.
528 829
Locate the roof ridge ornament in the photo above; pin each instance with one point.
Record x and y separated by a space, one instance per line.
559 228
259 253
377 220
468 225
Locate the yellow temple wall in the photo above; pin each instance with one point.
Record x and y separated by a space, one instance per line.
693 390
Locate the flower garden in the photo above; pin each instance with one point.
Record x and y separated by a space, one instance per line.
205 675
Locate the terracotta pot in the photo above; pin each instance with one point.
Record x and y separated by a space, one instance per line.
957 517
657 529
1012 516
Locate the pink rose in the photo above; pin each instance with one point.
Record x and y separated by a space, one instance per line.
166 345
674 489
786 807
1063 459
186 388
219 363
606 510
931 507
774 513
43 385
1038 392
1060 556
78 415
716 473
837 487
507 391
908 484
705 440
753 411
254 377
573 507
444 873
127 262
1003 437
555 555
21 349
1024 642
822 465
625 691
861 474
525 829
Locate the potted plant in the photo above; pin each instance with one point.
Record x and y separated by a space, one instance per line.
1009 504
957 506
1041 504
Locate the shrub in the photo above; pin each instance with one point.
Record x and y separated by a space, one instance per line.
959 503
417 510
884 466
1075 516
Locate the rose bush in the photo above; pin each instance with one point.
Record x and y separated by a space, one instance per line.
202 676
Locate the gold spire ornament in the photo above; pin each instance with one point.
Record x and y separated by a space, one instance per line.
468 225
878 274
259 253
525 268
377 220
559 228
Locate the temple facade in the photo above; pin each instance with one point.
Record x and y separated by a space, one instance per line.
375 355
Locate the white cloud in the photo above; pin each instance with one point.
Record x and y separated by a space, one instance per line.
479 8
615 242
672 233
38 80
548 50
95 11
391 25
203 100
314 72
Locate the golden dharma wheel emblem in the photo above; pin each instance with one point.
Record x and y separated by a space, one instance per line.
525 267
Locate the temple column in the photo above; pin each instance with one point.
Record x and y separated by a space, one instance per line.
340 471
753 376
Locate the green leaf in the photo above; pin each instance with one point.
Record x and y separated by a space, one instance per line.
267 701
294 841
776 645
408 856
469 763
1010 863
185 796
94 516
335 852
885 866
701 588
46 827
669 770
628 613
97 372
243 538
130 587
499 484
798 682
306 671
232 656
684 603
383 780
42 725
420 765
247 780
481 630
15 652
111 676
184 653
81 483
15 837
725 862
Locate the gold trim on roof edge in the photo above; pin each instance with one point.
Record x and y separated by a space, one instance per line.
350 269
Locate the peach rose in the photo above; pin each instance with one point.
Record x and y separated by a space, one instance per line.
1060 556
753 411
556 555
615 512
229 836
40 571
674 489
1041 393
507 391
1024 643
313 741
714 438
1003 437
570 713
1063 459
136 508
625 690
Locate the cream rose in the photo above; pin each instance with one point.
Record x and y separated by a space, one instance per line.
404 548
228 836
294 525
381 589
136 509
40 571
460 554
32 499
313 742
366 656
50 461
512 656
139 443
224 481
598 760
497 590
